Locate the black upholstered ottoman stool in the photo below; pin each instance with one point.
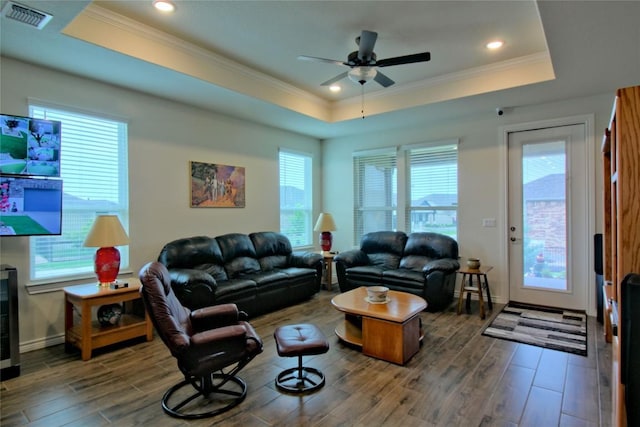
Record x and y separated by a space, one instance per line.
297 341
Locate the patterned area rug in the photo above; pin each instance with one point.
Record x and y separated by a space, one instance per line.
556 329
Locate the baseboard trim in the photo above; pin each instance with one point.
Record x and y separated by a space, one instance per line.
41 343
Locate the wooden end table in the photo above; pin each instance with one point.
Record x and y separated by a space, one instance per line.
467 286
390 331
89 334
328 269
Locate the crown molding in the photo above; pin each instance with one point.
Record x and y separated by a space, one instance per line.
118 33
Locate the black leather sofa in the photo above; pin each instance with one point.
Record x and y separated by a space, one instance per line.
259 272
423 264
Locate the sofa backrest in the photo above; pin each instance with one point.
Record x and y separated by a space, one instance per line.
273 250
199 252
384 248
424 247
238 254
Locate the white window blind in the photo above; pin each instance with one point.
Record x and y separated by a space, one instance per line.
296 197
375 184
433 189
94 170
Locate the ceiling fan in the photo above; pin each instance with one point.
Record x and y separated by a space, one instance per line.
364 63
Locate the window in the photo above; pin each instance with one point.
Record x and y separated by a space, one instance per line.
375 184
432 202
94 172
426 178
296 197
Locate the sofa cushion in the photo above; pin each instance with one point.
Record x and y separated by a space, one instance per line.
239 287
272 249
384 248
266 279
238 255
403 278
422 248
367 272
200 253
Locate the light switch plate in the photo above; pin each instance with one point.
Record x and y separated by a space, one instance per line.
488 222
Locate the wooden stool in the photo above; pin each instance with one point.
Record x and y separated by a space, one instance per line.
297 341
468 287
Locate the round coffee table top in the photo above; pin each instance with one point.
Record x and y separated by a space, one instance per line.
400 307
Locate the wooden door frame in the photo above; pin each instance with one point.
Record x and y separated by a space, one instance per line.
588 121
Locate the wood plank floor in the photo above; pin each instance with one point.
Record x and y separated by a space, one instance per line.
458 378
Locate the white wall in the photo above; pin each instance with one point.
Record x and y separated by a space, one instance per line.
163 137
482 175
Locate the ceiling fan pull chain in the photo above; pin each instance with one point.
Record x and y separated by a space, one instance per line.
362 107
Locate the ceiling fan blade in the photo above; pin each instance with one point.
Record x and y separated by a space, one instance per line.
407 59
316 59
366 41
383 80
335 79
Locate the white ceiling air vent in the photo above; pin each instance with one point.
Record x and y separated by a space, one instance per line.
26 15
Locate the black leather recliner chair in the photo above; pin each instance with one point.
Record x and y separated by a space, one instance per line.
423 264
211 346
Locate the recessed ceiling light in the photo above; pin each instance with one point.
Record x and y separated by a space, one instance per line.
496 44
164 5
335 88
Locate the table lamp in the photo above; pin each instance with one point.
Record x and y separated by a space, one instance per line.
325 225
106 233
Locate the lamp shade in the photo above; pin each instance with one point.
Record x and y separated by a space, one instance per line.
106 233
325 223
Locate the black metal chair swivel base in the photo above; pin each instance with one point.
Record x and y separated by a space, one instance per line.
297 341
213 395
300 379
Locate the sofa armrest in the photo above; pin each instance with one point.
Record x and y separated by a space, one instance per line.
446 265
194 288
352 258
306 259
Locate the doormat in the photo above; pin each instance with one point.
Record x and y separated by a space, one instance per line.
552 328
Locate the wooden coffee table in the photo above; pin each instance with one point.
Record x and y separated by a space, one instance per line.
389 331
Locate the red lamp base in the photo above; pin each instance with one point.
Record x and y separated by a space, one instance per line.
326 239
107 265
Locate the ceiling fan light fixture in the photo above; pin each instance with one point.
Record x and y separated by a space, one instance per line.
164 5
335 88
362 74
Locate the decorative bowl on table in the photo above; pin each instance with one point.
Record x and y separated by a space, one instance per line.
110 314
473 263
377 294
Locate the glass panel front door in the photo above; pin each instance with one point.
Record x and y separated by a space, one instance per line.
544 211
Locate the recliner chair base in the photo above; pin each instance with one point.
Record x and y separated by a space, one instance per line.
207 393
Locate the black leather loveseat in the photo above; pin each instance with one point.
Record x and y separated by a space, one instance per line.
423 264
259 272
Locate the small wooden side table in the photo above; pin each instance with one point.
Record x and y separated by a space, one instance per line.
89 334
328 269
467 286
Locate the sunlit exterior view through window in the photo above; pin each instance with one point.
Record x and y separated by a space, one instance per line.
94 170
544 208
295 197
430 189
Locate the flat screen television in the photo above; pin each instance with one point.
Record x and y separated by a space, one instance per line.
30 206
29 146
